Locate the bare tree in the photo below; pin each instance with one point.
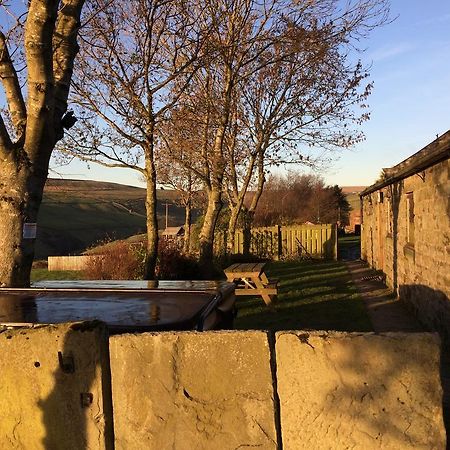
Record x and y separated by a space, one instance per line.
300 198
241 31
310 97
282 80
177 166
138 59
36 77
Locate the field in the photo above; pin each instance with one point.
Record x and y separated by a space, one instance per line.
78 214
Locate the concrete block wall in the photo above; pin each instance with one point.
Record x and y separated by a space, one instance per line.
366 391
193 391
219 390
55 388
420 272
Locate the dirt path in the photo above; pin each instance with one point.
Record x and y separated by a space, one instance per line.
389 314
385 311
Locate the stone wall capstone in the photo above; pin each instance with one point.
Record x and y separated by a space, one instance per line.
365 391
55 388
210 390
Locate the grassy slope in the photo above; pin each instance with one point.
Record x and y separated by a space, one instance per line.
316 295
77 214
44 274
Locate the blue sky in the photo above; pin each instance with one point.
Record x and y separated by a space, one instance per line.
410 103
411 99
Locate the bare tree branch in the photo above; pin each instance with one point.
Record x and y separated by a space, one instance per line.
65 48
12 89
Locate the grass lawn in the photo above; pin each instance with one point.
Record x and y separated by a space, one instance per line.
315 295
44 274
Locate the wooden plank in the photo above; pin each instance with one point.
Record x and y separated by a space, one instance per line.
256 292
231 268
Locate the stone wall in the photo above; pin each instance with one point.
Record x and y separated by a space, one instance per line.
218 390
414 256
55 388
366 391
69 262
193 391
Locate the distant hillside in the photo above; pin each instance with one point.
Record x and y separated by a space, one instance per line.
76 214
352 189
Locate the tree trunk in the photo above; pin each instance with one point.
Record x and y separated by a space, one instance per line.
150 205
232 228
239 203
247 230
209 225
20 199
50 44
187 228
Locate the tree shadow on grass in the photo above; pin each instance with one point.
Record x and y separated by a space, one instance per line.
344 314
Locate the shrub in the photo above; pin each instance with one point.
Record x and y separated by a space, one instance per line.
118 261
172 264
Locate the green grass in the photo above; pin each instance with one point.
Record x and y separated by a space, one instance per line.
76 215
315 295
44 274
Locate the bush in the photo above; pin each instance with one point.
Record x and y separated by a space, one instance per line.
172 264
118 261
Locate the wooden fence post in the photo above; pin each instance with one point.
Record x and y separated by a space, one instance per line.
335 242
279 242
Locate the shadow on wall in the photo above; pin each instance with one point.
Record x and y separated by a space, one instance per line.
433 306
77 414
383 393
430 306
329 247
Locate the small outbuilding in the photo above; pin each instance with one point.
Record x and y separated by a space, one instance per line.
406 231
173 233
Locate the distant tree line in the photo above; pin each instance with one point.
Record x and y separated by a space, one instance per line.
297 198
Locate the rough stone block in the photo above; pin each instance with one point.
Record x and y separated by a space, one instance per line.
55 388
192 391
362 391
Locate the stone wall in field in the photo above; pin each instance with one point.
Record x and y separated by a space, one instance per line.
221 390
406 234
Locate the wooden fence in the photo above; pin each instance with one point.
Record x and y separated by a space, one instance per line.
279 242
68 262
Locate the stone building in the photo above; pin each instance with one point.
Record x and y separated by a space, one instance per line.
406 232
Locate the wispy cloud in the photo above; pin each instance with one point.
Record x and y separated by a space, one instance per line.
388 52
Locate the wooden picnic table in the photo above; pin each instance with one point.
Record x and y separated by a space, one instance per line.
250 279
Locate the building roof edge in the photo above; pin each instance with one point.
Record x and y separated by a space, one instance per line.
433 153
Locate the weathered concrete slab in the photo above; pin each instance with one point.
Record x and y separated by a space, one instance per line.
52 401
364 391
192 391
